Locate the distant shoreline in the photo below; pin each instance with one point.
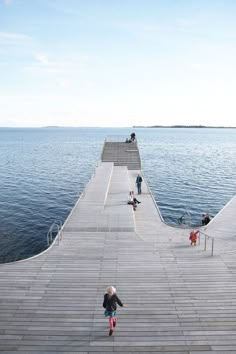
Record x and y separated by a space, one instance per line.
134 126
182 126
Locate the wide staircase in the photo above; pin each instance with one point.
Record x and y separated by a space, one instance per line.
122 154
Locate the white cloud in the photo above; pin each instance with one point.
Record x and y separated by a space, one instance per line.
13 36
196 66
42 59
7 2
63 83
44 64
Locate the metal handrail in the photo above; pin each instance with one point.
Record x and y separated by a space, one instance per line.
154 201
55 227
182 220
206 238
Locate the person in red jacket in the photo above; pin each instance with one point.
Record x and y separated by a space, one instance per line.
109 303
193 237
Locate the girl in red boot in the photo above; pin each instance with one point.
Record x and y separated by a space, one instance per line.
109 303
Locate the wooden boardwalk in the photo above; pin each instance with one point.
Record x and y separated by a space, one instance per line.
179 299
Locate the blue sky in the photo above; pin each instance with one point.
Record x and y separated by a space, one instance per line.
117 63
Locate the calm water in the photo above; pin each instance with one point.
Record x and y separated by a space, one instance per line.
43 171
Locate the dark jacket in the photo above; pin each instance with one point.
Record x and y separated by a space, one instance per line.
109 303
139 179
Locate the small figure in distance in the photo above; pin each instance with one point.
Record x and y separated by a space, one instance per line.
205 219
132 137
138 183
109 303
193 237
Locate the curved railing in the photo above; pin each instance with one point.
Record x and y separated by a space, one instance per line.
154 201
185 220
54 231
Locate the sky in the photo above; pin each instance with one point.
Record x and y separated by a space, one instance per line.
117 63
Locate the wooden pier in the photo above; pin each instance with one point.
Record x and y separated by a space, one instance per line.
178 298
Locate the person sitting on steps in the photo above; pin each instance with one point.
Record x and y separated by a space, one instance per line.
135 199
132 137
132 200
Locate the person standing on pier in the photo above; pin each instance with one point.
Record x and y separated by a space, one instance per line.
109 303
139 183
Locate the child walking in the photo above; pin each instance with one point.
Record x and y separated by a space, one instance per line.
109 303
193 237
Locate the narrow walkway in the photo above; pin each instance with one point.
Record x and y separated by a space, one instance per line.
179 299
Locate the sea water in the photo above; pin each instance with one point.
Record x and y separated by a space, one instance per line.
43 172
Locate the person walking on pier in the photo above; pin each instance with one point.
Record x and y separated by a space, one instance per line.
139 183
109 303
193 237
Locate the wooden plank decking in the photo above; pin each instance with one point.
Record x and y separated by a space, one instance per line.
179 299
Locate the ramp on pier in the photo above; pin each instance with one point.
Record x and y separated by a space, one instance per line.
179 299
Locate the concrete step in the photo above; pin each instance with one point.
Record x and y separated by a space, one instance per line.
122 154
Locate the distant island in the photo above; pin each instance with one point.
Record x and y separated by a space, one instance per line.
51 126
181 126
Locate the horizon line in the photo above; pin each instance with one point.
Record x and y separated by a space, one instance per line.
117 127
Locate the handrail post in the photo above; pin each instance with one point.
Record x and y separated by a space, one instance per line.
201 234
212 246
58 230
